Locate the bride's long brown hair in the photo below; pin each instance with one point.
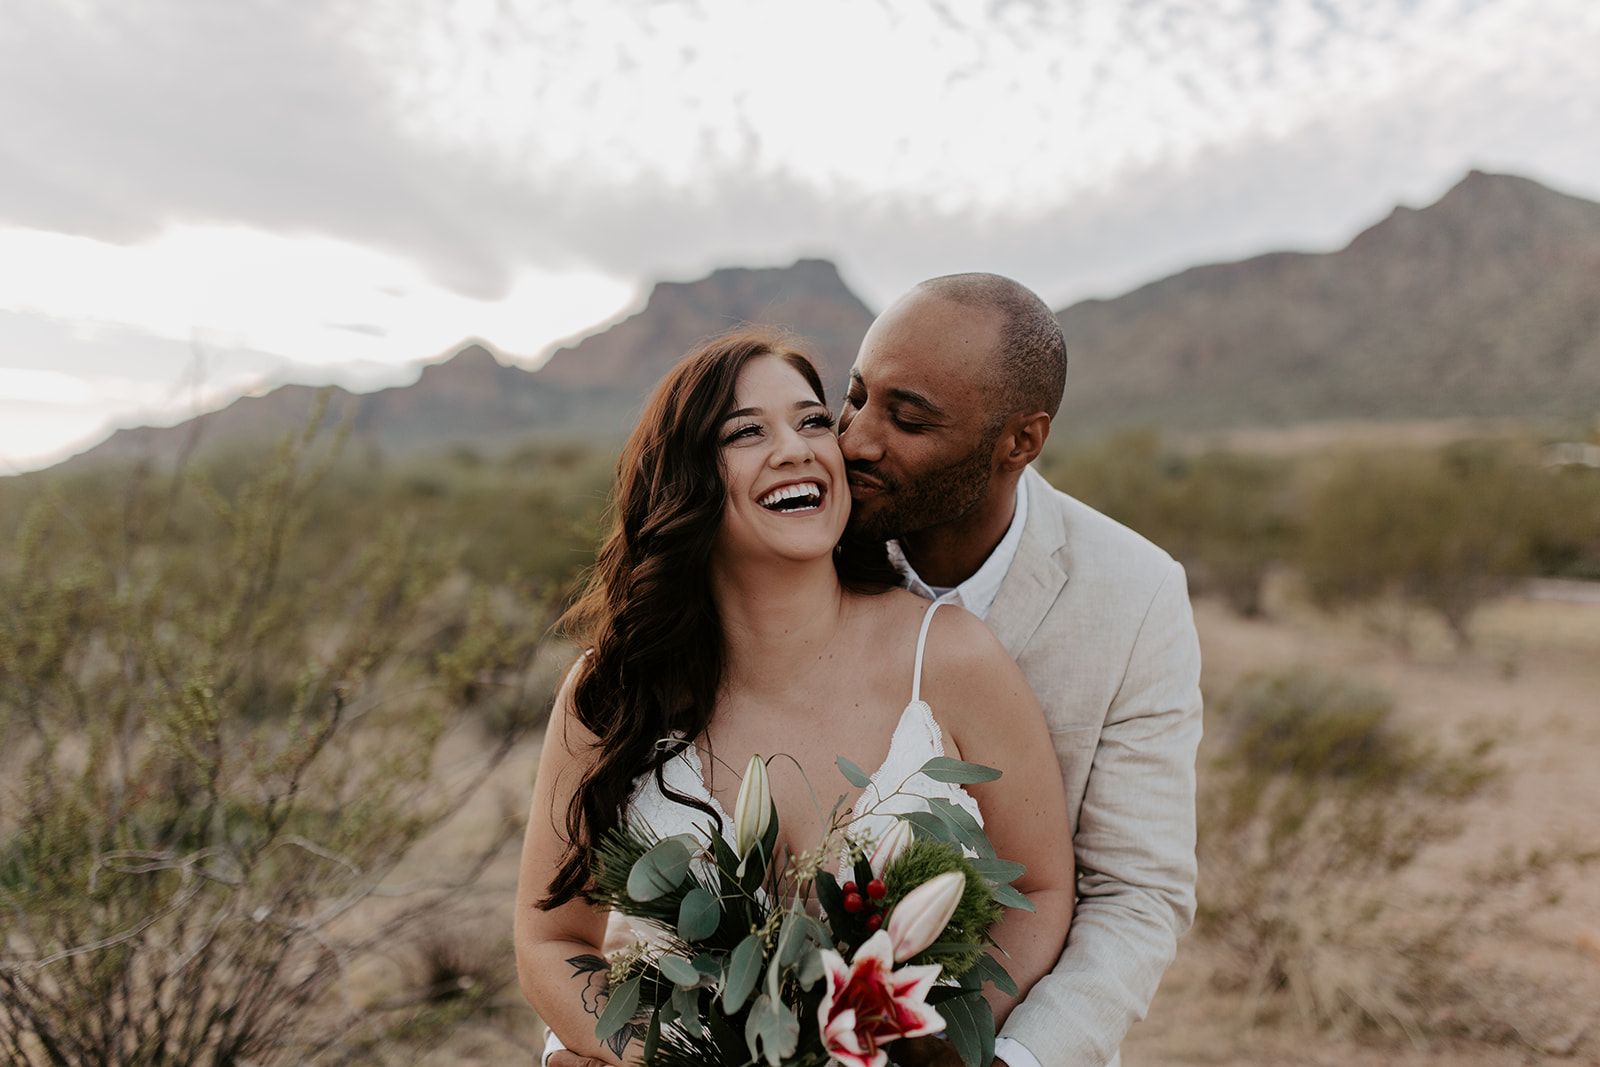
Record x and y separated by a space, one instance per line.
655 644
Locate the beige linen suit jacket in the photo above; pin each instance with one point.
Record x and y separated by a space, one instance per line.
1098 619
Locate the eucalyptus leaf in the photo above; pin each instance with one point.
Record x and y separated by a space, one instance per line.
969 1025
958 772
1011 898
962 824
652 1035
687 1004
679 971
856 776
927 824
791 939
948 948
772 1032
659 871
997 871
988 969
744 970
812 968
621 1006
699 914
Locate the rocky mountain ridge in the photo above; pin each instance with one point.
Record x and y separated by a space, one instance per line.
1484 303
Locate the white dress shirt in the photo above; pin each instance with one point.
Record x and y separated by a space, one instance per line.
977 593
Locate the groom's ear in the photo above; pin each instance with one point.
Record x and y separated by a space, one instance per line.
1022 440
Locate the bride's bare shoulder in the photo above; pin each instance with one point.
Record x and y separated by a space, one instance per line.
955 636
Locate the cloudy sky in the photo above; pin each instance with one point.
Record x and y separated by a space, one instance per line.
203 198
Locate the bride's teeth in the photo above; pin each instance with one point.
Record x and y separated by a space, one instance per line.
789 492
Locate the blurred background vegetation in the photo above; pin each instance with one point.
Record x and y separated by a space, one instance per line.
242 698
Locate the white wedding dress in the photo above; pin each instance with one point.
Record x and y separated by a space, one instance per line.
895 788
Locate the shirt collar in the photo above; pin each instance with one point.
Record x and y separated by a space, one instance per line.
977 593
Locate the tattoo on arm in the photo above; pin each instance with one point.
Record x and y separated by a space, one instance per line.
596 973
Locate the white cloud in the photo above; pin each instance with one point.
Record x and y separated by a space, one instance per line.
312 300
277 189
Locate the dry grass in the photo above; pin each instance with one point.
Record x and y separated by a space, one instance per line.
1528 966
1535 963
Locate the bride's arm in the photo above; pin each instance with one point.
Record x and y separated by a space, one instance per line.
988 711
560 962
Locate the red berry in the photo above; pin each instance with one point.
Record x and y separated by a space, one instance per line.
852 902
850 887
876 889
873 922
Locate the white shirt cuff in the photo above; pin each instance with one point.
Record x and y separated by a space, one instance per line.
1014 1052
552 1043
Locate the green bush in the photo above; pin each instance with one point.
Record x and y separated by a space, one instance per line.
1444 529
221 720
1229 518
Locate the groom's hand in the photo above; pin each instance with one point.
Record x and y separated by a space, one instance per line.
914 1052
567 1058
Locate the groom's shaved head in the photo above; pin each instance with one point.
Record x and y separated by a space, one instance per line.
1029 371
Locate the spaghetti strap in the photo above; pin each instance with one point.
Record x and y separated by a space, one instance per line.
922 639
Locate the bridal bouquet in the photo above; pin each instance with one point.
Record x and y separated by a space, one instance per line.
738 971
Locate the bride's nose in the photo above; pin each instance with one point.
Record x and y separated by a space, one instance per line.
791 446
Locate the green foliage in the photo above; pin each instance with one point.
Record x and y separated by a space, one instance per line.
1445 529
1229 517
220 723
1441 529
974 915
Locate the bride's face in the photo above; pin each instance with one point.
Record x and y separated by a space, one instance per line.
787 495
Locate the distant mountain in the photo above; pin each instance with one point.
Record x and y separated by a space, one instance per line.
1485 303
591 390
808 297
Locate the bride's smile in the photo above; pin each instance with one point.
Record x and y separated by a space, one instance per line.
780 464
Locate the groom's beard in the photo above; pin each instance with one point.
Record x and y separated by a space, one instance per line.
907 507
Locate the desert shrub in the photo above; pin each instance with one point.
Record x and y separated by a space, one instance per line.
1228 517
1444 529
1314 807
1565 538
221 730
1236 521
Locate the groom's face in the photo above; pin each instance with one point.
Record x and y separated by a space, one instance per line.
917 438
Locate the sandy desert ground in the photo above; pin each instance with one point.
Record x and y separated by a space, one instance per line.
1532 682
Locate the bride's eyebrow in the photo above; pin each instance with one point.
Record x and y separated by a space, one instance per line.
798 405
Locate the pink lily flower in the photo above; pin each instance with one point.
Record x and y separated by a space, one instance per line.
895 841
868 1004
921 916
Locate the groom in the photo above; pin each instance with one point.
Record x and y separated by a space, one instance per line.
951 398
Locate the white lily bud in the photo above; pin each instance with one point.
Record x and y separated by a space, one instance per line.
752 812
921 916
894 842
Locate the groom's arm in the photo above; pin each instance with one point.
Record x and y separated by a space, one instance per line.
1135 852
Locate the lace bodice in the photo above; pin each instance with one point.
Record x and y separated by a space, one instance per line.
896 787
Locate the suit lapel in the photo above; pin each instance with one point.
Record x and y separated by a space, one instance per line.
1038 573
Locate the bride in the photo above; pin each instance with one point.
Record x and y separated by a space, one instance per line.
724 610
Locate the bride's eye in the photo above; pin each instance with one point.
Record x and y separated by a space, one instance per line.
820 421
748 430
